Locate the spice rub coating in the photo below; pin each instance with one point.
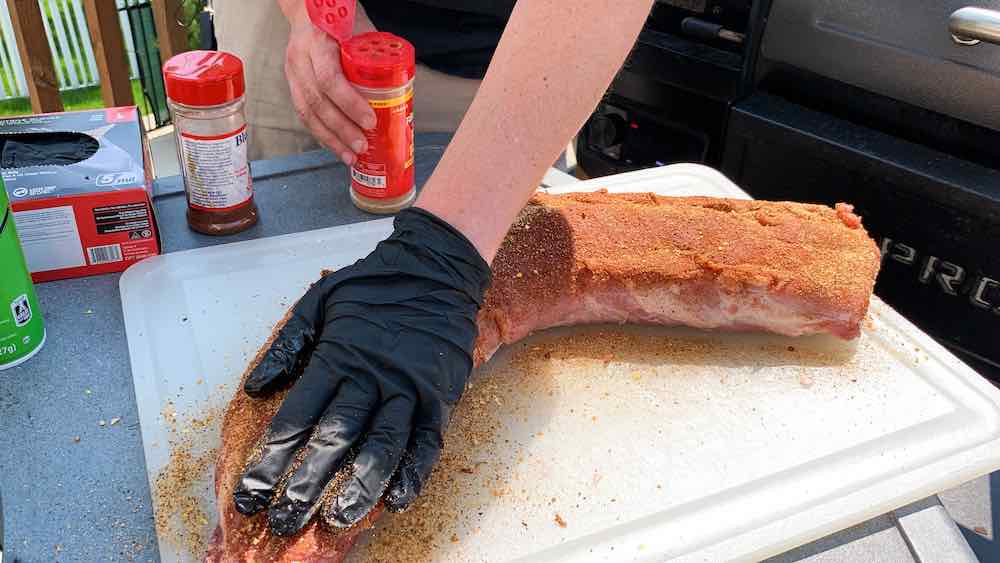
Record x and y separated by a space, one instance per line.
783 267
789 268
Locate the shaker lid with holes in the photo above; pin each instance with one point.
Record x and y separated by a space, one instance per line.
378 60
335 17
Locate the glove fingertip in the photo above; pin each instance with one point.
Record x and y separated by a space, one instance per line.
248 502
282 357
287 517
397 501
262 380
344 514
256 386
402 491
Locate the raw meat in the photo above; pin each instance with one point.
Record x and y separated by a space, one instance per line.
787 268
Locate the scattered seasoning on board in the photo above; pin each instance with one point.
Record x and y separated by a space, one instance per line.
180 497
470 477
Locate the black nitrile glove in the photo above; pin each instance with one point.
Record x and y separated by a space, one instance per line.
40 149
387 348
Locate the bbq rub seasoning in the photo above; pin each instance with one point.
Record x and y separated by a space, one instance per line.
205 93
381 66
22 331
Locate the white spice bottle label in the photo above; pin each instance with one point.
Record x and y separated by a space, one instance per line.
216 169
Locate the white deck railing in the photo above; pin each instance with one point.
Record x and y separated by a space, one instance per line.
69 40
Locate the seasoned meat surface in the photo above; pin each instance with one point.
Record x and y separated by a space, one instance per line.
787 268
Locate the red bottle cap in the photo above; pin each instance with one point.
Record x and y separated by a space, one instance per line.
335 17
378 60
204 78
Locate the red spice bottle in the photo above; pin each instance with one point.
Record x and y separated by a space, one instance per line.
205 92
381 66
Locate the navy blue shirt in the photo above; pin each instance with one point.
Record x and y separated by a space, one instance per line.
451 36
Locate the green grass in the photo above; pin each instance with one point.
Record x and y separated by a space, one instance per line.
73 100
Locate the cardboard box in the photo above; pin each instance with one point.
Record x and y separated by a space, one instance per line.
80 184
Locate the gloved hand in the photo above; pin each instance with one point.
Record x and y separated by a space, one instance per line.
386 346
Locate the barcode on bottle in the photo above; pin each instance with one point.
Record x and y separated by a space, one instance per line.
368 179
105 254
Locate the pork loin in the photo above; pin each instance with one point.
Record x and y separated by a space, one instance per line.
787 268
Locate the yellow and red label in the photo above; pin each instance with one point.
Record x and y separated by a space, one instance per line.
385 170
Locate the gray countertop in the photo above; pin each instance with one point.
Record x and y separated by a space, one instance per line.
77 491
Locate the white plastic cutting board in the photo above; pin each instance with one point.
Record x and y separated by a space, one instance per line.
648 444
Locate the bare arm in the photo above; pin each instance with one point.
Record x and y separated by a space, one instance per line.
553 64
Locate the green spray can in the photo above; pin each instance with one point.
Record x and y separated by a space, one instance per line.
22 331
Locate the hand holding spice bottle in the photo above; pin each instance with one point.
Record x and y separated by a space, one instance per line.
381 67
326 103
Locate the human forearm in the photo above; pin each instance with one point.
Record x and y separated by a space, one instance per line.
553 64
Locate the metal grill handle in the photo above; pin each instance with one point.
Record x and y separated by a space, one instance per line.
969 26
